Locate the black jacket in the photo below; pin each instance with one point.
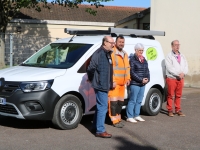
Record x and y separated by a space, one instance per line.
138 70
100 71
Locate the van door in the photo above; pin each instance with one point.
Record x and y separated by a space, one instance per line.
86 88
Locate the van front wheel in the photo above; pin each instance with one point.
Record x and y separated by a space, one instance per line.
153 102
67 112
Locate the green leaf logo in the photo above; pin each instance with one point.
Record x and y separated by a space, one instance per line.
151 53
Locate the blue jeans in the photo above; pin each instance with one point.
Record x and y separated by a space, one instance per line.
101 110
135 100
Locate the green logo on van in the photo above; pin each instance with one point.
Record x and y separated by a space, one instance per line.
151 53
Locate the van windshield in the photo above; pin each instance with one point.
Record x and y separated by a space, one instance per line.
58 55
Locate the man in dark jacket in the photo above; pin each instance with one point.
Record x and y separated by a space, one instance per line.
100 73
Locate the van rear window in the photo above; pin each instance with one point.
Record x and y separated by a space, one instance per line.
58 55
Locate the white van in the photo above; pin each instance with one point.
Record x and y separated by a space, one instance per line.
52 83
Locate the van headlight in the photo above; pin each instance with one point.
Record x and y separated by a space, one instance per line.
36 86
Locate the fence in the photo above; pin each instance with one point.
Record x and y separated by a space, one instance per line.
19 47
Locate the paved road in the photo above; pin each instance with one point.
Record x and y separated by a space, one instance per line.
157 132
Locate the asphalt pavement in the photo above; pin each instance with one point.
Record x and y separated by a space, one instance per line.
156 133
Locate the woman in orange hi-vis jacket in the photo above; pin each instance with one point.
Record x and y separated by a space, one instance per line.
121 77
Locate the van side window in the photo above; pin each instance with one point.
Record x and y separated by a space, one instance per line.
84 67
58 55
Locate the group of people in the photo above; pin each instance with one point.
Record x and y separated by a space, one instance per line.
111 70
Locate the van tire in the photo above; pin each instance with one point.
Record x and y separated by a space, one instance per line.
67 113
153 102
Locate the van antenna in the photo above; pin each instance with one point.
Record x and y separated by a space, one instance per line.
72 37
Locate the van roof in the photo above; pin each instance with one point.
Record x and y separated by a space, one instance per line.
96 39
82 39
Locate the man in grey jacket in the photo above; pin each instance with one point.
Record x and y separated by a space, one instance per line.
176 69
100 73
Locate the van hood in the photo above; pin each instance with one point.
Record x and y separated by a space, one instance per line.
24 73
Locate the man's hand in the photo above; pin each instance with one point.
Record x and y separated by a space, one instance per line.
181 75
145 80
88 81
114 85
128 82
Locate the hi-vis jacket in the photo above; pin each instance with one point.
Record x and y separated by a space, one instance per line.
121 67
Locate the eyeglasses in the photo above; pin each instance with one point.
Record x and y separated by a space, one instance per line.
111 42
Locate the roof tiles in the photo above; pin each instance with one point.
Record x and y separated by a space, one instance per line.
104 14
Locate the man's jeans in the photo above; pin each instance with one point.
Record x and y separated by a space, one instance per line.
101 110
135 100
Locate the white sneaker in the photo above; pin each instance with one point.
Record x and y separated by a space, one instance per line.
131 120
138 118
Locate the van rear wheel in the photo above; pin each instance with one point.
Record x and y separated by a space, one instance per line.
153 102
67 112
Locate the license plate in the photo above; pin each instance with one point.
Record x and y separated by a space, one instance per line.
2 101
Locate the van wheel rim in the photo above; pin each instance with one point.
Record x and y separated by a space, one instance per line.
69 113
154 102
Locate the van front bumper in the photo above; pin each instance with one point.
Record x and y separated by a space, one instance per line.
32 106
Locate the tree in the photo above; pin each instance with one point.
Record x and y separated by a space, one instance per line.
9 9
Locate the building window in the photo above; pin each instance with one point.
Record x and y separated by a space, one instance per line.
146 26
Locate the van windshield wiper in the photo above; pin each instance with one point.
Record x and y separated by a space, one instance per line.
35 65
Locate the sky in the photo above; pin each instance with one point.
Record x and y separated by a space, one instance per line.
129 3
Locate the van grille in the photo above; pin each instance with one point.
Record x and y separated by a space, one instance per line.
9 88
9 109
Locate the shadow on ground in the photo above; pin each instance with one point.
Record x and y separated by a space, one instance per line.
24 124
162 111
87 120
130 145
123 144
